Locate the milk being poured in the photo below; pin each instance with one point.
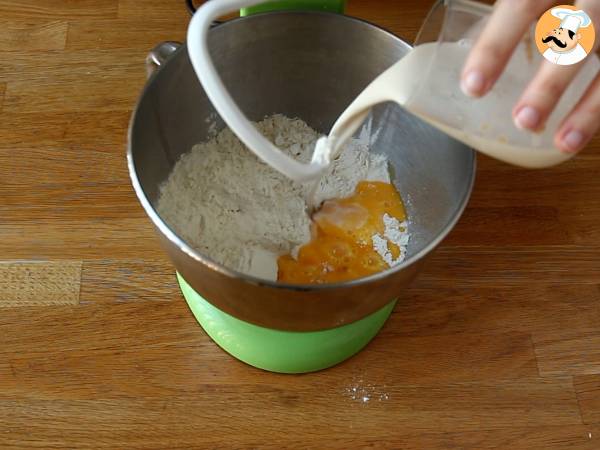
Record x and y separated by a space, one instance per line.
434 95
425 82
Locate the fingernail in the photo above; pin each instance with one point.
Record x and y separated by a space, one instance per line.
527 117
473 83
572 141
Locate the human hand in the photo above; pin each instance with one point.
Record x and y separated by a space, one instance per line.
509 22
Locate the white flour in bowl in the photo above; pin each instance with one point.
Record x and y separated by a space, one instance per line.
226 203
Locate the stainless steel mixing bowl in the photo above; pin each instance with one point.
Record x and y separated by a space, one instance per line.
308 65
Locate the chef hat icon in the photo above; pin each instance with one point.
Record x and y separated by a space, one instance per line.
572 20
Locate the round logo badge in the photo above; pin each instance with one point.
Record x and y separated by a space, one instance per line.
565 35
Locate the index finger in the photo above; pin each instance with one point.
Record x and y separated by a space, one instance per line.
494 47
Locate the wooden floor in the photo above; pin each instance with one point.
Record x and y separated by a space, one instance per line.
497 345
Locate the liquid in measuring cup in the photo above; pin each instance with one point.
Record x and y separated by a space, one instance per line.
427 83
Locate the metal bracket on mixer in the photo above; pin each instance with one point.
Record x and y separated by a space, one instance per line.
159 54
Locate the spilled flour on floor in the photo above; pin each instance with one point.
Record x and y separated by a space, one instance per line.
363 392
226 203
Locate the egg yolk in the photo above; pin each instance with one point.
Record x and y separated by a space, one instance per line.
341 247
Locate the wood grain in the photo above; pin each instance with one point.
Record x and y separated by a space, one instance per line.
92 185
139 33
587 388
99 131
531 225
23 35
491 407
519 194
494 347
574 351
123 281
82 194
464 359
515 265
154 9
577 437
435 307
91 239
23 131
91 132
75 82
40 283
86 164
58 9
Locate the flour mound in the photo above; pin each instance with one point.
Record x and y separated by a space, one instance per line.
230 206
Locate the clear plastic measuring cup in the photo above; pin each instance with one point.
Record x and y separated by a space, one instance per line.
427 83
445 39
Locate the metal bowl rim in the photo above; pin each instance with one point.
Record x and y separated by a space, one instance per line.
192 253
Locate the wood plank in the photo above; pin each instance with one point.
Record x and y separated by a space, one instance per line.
514 265
578 437
113 281
87 239
513 199
455 408
94 180
510 186
39 283
71 65
78 164
506 225
88 132
32 35
515 438
154 9
450 357
93 184
96 80
69 95
516 225
587 388
81 161
102 330
58 9
139 32
90 200
2 90
168 371
436 307
53 131
99 131
458 357
568 351
30 130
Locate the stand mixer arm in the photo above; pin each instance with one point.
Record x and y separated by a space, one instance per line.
197 45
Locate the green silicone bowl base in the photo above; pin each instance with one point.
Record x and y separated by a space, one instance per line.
283 351
335 6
